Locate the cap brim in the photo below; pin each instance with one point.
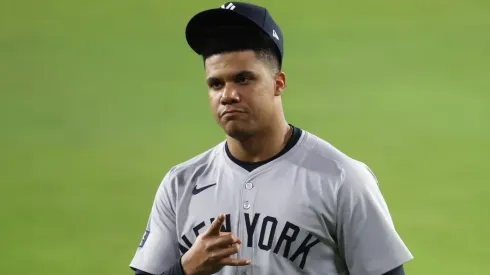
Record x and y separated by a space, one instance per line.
214 23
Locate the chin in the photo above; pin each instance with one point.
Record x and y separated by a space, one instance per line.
237 130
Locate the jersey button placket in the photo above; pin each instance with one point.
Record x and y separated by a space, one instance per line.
249 185
248 196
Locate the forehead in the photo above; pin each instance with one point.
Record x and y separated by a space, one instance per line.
233 62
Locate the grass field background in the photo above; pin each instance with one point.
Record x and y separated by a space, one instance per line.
98 99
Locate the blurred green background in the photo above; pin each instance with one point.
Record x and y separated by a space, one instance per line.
100 98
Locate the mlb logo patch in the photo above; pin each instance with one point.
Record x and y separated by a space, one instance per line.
145 237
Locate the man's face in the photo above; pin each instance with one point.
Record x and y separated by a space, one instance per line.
243 92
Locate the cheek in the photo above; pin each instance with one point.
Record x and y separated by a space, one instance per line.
260 105
263 96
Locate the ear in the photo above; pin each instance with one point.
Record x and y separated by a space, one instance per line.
280 79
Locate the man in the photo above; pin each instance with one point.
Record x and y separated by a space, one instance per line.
272 198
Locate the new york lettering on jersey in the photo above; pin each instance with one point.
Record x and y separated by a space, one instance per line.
264 232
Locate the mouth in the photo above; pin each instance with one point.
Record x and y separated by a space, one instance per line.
231 113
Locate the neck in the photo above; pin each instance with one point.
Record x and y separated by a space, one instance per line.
261 146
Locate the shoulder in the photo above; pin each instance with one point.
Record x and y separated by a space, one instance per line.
353 183
196 164
177 177
321 154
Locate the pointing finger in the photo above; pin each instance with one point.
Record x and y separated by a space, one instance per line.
215 227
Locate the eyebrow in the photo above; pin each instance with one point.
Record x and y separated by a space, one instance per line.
240 73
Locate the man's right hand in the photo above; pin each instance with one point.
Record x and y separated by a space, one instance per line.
212 250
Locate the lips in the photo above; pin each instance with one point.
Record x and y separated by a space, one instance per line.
231 112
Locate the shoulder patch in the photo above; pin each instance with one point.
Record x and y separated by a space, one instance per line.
145 237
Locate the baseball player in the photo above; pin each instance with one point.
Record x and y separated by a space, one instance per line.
271 198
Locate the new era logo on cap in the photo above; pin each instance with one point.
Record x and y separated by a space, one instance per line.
230 6
274 34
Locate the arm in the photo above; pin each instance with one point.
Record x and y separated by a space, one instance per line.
366 235
158 250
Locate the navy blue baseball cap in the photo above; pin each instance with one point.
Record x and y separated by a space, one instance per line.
233 20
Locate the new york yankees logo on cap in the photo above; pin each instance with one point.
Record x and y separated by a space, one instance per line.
230 6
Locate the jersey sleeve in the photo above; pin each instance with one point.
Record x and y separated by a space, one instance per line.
366 234
158 249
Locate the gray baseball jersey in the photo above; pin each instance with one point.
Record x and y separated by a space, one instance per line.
313 210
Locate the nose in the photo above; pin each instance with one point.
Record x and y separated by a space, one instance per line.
230 95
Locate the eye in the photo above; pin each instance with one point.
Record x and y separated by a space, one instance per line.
215 85
243 79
